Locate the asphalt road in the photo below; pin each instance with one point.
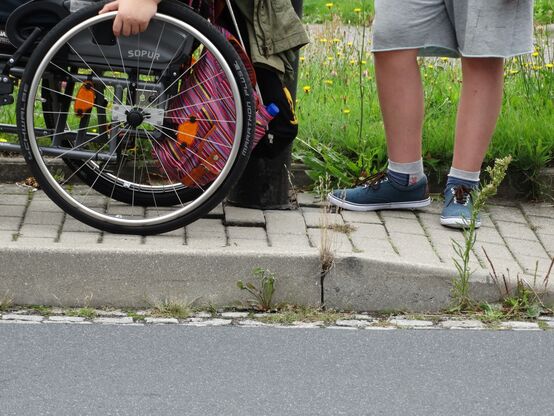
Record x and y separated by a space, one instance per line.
175 370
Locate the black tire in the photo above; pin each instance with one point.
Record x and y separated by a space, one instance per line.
186 213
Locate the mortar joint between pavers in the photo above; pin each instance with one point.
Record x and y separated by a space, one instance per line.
389 238
60 229
428 235
495 223
30 195
532 228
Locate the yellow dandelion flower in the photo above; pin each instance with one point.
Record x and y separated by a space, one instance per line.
329 5
514 72
444 59
431 66
352 62
364 62
535 54
323 40
328 81
349 44
339 54
357 10
302 58
346 111
549 66
336 40
330 58
537 67
307 89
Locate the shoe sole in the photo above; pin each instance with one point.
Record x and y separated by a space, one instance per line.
458 223
377 207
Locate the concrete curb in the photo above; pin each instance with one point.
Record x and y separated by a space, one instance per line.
358 283
135 277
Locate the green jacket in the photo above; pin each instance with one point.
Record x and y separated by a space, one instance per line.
275 33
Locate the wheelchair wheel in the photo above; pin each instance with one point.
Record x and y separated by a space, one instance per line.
107 106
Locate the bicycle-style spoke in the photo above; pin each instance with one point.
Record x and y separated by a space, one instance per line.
196 85
165 171
186 148
216 100
202 139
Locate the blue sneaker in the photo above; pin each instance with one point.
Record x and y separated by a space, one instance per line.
381 193
458 205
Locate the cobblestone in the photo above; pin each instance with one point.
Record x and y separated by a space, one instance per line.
213 322
34 231
247 237
113 321
519 231
234 315
316 218
369 217
65 319
464 324
507 214
12 211
285 222
520 326
161 321
26 318
404 226
410 323
244 217
356 323
336 242
77 238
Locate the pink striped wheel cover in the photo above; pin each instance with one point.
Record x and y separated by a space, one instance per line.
205 97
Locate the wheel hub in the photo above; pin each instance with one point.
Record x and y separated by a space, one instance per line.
135 117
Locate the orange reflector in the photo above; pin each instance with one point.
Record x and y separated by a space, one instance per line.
85 99
188 130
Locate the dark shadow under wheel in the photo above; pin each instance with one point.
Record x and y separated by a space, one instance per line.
111 118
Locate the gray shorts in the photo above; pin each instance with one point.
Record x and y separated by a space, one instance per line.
470 28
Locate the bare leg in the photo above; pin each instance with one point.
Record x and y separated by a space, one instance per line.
402 103
478 111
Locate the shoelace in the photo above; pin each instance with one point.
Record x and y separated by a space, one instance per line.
462 194
373 180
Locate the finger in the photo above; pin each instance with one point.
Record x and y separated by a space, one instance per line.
126 29
117 26
110 7
143 27
135 29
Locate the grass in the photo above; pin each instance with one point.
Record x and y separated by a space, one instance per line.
289 314
88 313
172 308
262 291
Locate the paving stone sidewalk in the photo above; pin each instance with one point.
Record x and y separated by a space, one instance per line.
518 237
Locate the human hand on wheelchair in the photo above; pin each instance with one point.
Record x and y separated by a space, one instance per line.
133 15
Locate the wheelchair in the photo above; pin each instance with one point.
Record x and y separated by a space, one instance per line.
105 106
